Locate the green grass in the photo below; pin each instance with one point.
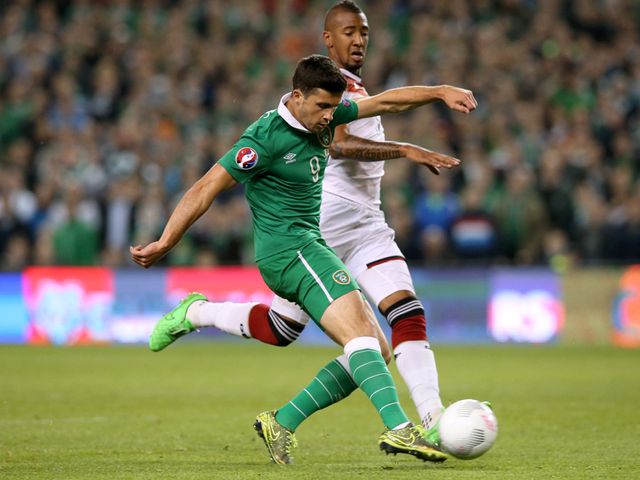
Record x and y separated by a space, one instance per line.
125 413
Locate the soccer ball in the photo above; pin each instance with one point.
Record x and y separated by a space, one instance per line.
468 428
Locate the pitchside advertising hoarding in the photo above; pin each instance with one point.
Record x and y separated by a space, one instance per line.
525 306
626 310
74 305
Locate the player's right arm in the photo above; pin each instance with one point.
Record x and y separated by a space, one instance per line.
192 206
352 147
403 99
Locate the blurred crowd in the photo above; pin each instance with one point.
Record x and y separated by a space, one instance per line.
110 110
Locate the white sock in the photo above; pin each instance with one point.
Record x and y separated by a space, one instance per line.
417 365
229 317
361 343
344 361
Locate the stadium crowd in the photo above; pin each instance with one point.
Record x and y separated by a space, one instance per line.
109 110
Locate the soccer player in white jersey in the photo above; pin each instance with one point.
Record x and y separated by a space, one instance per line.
353 224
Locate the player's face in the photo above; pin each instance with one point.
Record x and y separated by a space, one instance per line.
347 40
315 110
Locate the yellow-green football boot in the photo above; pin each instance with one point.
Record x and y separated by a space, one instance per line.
278 439
411 440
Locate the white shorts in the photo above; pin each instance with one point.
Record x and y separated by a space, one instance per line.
364 242
289 310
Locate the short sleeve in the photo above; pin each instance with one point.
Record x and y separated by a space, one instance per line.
248 158
346 112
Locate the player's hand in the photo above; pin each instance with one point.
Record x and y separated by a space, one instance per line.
434 161
147 256
459 99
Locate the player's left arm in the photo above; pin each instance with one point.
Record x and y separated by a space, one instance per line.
191 206
407 98
361 149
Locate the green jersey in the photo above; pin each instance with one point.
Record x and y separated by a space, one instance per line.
282 164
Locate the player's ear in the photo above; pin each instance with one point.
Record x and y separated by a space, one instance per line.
297 95
328 41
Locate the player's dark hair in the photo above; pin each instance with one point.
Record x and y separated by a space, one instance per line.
343 6
318 71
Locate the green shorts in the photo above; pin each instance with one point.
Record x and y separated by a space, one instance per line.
313 277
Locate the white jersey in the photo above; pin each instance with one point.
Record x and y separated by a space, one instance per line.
350 179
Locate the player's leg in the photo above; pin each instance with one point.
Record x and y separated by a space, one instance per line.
332 383
347 321
320 283
388 284
335 381
370 373
279 325
326 290
362 239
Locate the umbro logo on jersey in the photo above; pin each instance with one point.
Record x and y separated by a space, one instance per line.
290 157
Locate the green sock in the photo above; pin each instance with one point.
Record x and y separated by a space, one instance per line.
373 377
330 385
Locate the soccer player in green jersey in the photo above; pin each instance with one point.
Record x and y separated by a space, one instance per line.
354 226
281 160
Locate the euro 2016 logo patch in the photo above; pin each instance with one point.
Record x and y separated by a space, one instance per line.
246 158
341 277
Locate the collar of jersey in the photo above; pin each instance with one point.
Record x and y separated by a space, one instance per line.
353 76
284 112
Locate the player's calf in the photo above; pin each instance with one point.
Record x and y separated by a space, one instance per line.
414 358
407 321
270 327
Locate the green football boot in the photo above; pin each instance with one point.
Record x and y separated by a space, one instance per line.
278 439
411 440
432 435
174 324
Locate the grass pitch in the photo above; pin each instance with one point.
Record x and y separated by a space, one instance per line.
187 413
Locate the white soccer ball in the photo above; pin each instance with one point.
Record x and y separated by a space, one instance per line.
468 428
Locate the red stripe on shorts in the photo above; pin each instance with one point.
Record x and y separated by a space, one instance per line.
385 260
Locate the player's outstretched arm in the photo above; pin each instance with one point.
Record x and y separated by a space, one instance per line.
352 147
192 205
407 98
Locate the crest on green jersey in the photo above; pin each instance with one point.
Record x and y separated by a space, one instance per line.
341 277
325 137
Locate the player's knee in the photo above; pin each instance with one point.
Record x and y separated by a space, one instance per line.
365 328
359 314
346 318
